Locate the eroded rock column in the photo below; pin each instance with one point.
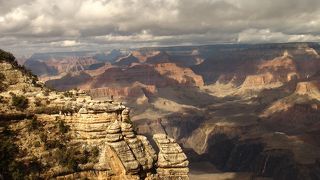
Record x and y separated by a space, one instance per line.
121 149
172 162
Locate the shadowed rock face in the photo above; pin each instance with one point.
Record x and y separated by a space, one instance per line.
253 156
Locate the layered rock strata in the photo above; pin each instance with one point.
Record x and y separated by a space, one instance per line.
172 162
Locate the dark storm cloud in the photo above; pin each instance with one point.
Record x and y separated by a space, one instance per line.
81 24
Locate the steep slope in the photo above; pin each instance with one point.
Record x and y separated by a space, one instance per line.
70 81
126 61
40 68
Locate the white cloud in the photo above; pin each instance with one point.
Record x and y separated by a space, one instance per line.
265 35
66 43
70 43
94 22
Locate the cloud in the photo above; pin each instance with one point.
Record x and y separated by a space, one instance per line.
66 43
265 35
55 25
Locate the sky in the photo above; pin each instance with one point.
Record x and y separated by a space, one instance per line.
29 26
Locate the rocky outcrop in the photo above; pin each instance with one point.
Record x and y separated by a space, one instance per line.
184 76
121 149
172 162
133 91
310 88
130 156
260 81
272 73
282 64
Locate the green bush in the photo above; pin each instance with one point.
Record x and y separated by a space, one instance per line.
6 131
20 102
2 77
46 92
68 157
63 128
43 137
16 116
95 152
5 56
34 167
37 144
53 110
34 124
68 94
3 86
51 144
37 102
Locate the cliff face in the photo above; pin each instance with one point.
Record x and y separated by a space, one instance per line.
134 90
183 76
260 81
54 66
310 88
70 136
272 73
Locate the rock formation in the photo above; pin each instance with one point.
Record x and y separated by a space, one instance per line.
78 137
171 159
184 76
310 88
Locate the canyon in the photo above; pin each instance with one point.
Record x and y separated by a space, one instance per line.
239 111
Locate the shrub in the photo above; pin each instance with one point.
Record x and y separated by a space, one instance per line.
43 137
67 157
3 86
63 128
34 124
37 144
51 144
35 167
2 77
15 116
46 92
37 102
95 152
6 131
53 110
5 56
20 102
68 94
